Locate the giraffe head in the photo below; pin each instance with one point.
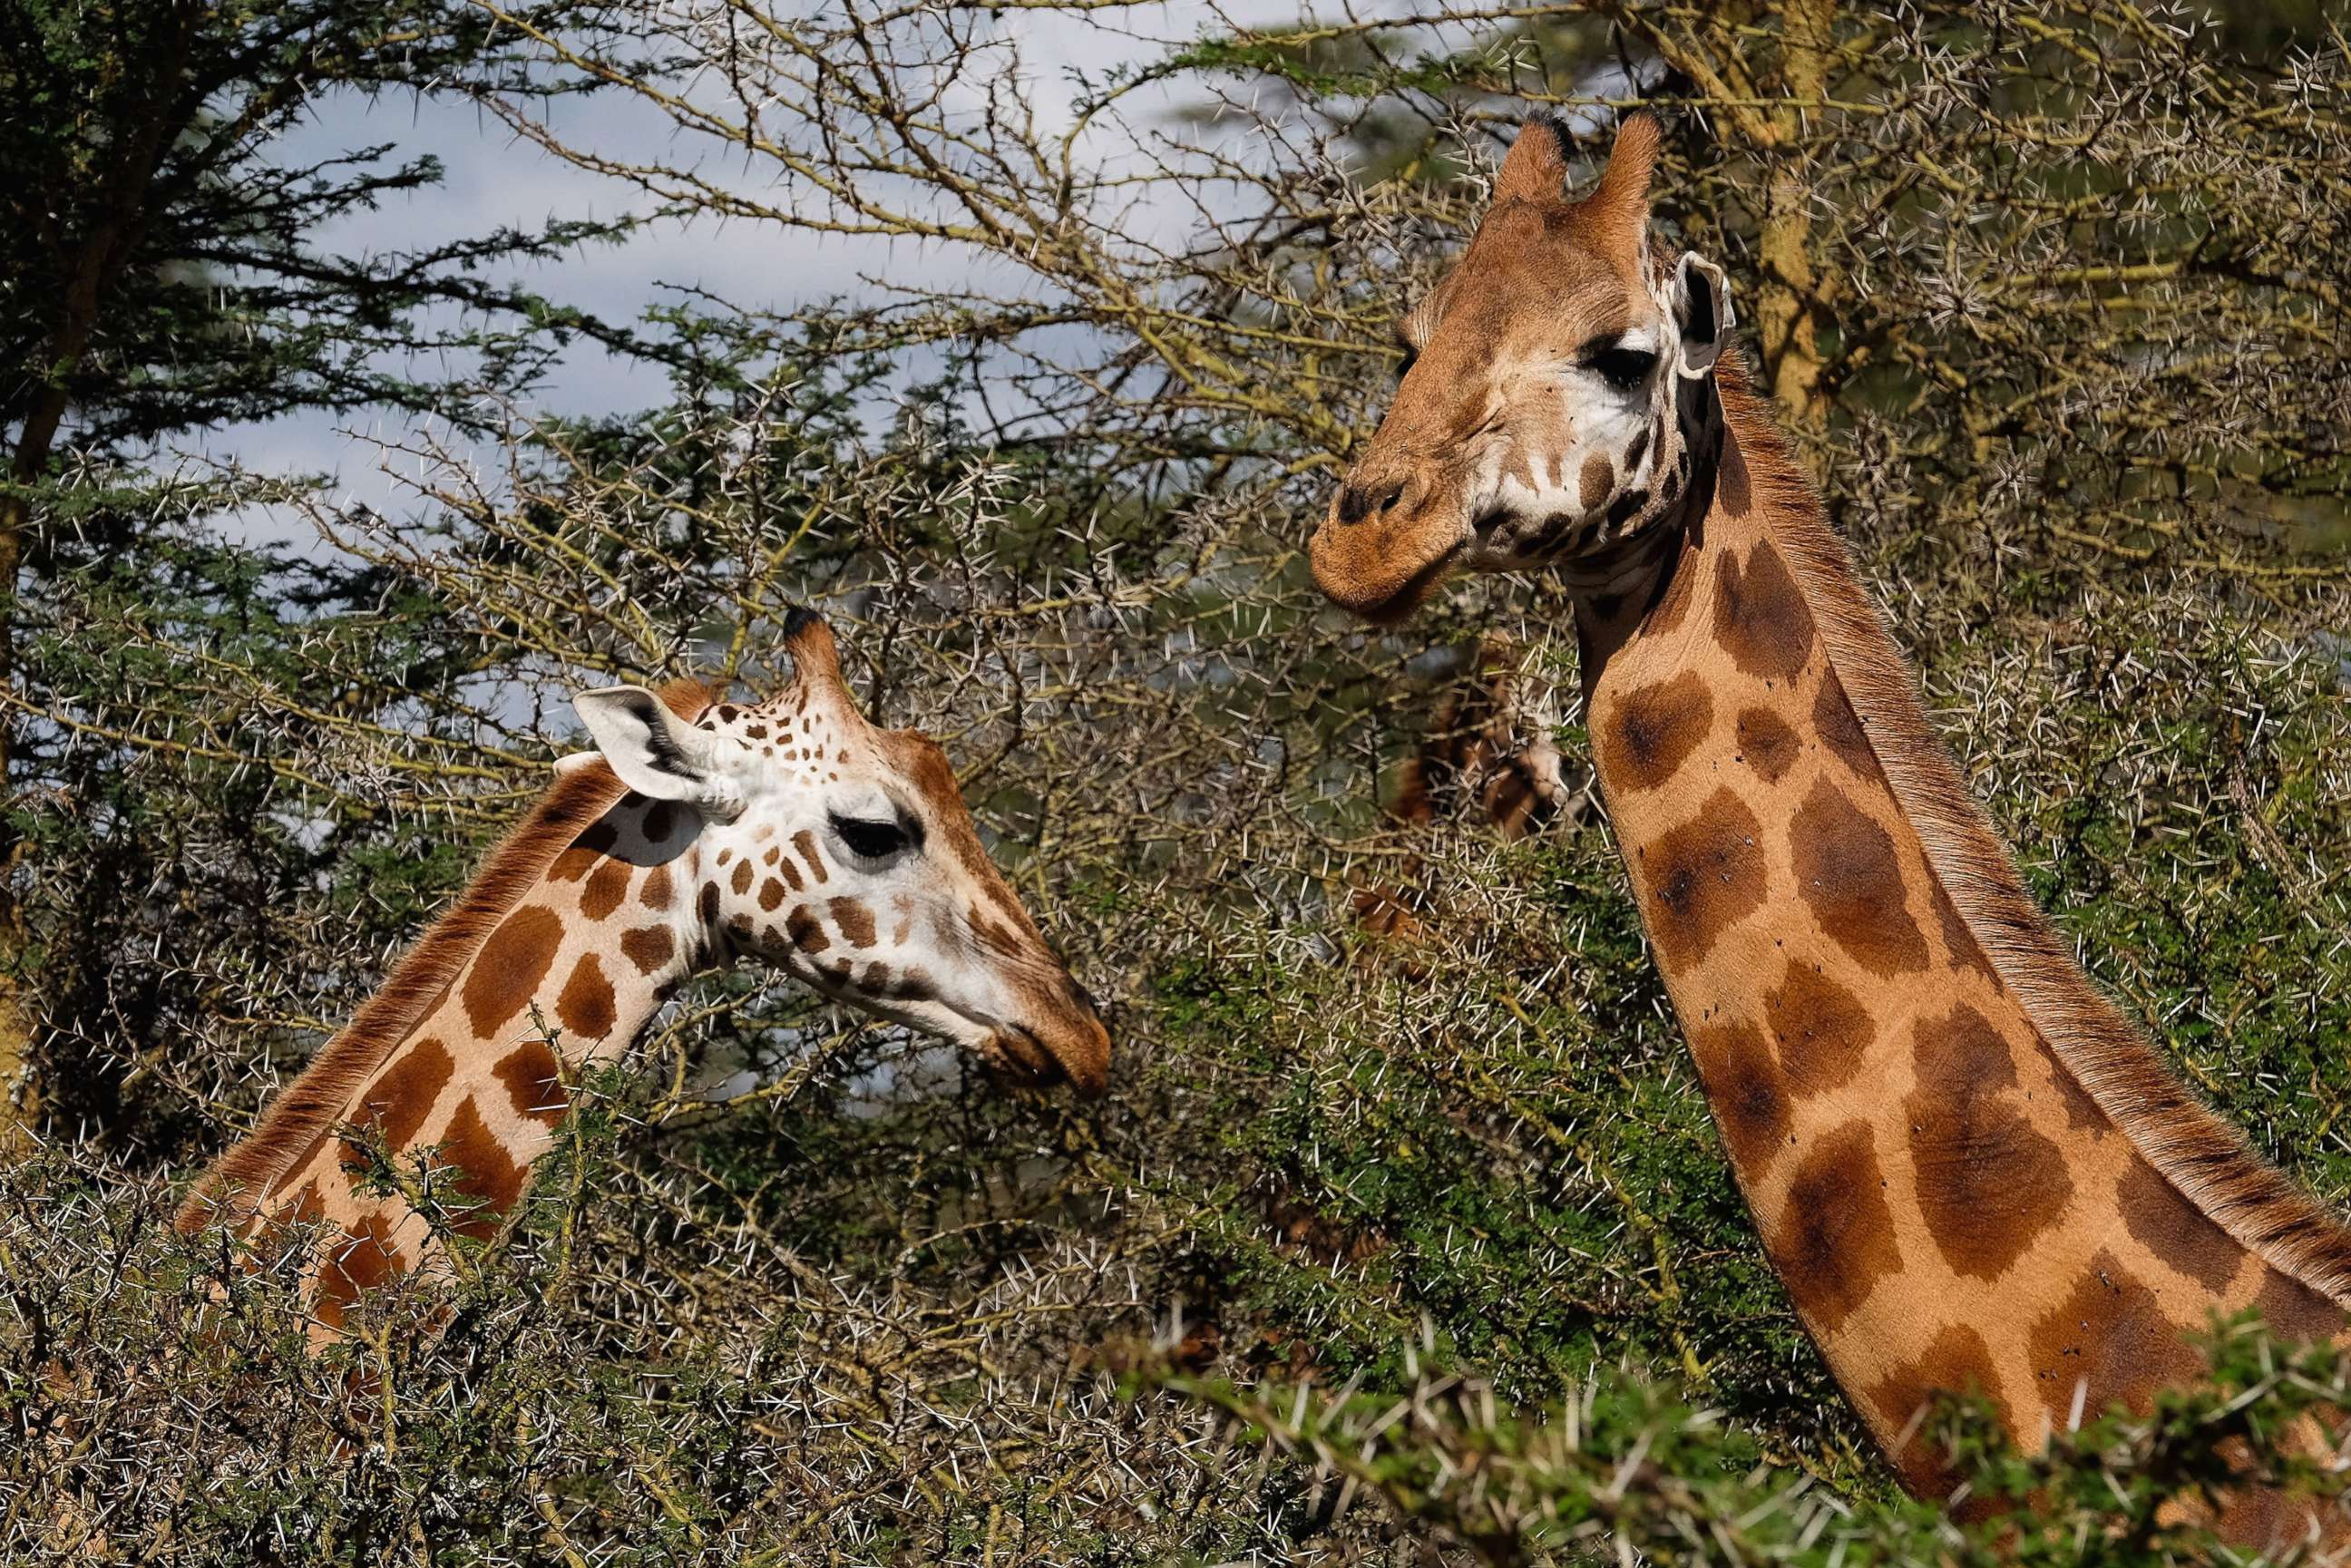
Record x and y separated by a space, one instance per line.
1540 415
843 854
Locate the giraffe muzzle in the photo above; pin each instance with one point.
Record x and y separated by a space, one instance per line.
1076 1052
1387 542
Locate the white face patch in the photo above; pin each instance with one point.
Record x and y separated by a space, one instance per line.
829 872
1554 479
853 866
844 856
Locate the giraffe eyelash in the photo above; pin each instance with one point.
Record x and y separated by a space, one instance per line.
1400 331
871 839
1622 366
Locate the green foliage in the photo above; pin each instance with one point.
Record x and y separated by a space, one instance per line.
169 273
163 1403
875 1308
1629 1468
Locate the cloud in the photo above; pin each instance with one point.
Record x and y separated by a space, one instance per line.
495 178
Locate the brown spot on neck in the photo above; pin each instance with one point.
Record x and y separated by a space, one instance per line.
2295 1312
365 1256
1821 1029
607 886
648 947
395 1105
1701 877
1766 744
2177 1233
1847 872
534 1083
1744 1088
1956 1362
488 1178
2111 1337
1989 1184
1834 1239
1760 618
510 966
587 1007
1648 734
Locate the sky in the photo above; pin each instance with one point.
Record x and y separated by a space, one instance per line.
493 178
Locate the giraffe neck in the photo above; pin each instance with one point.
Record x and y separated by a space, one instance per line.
1948 1207
569 974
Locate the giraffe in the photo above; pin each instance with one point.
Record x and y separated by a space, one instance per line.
699 831
1487 747
1969 1169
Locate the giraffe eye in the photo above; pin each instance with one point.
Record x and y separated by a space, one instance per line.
1624 368
1400 331
869 838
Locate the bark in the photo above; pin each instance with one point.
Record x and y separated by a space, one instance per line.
1789 304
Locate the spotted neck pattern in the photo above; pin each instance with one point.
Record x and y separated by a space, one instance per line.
1948 1207
563 962
1970 1167
571 975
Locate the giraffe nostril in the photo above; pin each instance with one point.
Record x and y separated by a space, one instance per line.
1357 502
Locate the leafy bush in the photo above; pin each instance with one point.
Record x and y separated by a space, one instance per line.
2064 358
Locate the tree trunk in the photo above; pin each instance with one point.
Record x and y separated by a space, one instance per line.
97 261
19 1092
1787 308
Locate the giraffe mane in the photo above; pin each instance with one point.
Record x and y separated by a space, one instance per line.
2205 1157
308 1105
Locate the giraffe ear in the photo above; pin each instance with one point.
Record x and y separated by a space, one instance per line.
1699 301
656 753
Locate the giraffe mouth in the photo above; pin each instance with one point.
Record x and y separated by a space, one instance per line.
1414 591
1018 1054
1074 1051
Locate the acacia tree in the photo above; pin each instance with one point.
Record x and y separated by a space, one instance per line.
2110 175
165 273
2080 424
